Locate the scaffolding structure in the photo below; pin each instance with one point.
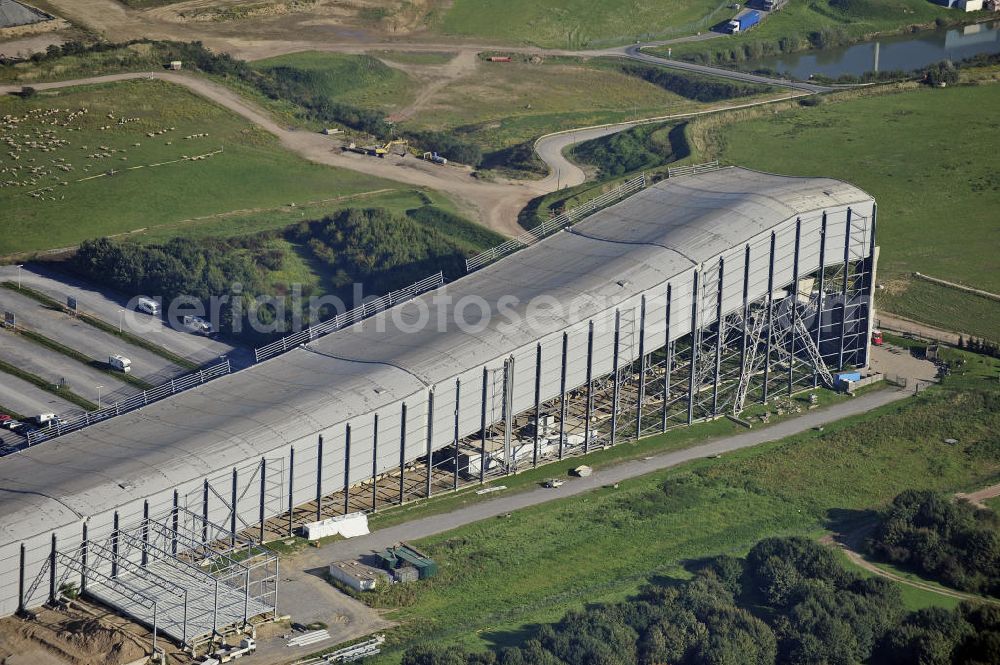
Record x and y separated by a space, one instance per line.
183 577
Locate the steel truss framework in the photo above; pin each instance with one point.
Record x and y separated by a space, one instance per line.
785 342
182 576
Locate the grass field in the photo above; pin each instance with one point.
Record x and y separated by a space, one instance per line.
929 158
250 173
844 21
502 104
499 577
359 80
577 23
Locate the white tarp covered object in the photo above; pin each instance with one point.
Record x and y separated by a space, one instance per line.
348 526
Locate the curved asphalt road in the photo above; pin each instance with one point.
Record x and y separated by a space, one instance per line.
635 53
435 524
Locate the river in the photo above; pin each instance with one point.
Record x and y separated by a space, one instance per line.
901 52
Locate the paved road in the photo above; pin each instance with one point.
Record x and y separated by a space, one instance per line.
54 367
108 305
86 339
635 52
427 526
552 148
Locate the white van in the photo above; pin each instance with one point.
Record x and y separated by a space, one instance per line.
120 363
147 305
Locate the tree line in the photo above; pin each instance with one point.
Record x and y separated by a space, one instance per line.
643 147
789 601
374 247
693 86
951 541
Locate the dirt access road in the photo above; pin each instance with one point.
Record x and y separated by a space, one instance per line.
495 204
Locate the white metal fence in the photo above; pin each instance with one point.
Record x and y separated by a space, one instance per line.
132 403
556 223
692 169
348 317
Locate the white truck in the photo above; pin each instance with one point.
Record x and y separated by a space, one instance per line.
120 363
147 305
247 646
197 325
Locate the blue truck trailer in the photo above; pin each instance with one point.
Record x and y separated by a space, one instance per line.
744 22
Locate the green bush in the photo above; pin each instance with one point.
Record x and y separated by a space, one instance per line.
955 542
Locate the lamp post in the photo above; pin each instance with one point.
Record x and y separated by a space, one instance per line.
19 266
99 397
121 313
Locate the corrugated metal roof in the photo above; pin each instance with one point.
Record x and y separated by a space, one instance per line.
627 249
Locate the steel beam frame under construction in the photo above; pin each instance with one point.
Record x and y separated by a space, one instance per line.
183 577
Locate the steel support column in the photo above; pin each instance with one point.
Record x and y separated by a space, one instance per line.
20 581
843 303
483 429
589 410
746 306
145 534
693 373
375 463
795 308
720 337
319 478
869 288
538 404
668 349
84 545
204 511
614 375
402 454
232 506
52 571
347 468
642 368
820 299
454 460
291 488
770 319
175 523
562 395
114 545
263 492
430 439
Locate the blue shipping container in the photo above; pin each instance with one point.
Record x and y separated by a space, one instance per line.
749 20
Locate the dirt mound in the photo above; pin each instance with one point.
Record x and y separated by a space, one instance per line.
68 636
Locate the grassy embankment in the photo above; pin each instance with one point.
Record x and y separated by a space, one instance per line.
499 577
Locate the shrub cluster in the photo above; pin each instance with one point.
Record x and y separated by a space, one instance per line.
789 601
952 541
